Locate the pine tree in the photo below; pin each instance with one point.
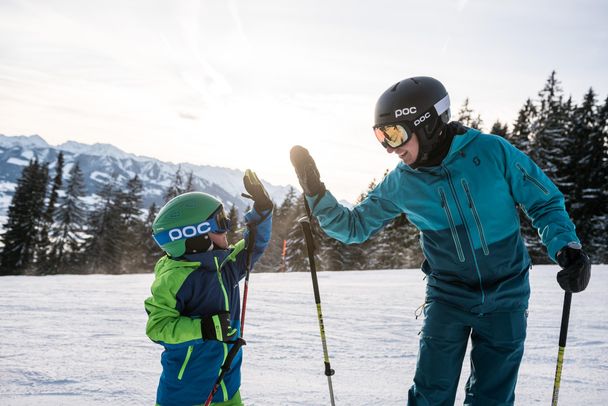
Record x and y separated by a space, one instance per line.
70 219
22 230
548 129
570 147
151 252
597 240
334 255
130 225
189 186
501 129
176 187
43 246
522 129
589 210
104 246
284 217
466 116
551 143
297 255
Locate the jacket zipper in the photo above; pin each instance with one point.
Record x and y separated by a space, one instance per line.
226 303
482 237
221 280
446 208
223 384
183 368
466 227
531 179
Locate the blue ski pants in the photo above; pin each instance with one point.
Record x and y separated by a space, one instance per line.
497 346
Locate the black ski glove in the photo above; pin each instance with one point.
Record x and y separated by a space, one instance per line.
257 192
308 174
576 268
217 327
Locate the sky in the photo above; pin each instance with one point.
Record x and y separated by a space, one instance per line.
237 83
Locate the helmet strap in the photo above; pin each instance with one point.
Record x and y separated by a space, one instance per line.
200 243
432 144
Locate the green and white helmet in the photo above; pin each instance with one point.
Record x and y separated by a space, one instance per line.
187 216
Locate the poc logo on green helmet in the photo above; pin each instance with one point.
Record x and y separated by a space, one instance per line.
189 231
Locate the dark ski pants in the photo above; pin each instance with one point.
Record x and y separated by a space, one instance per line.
497 346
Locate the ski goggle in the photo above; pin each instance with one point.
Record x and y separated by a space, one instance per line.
392 135
217 223
223 223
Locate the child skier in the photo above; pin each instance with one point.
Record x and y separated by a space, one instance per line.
461 189
194 310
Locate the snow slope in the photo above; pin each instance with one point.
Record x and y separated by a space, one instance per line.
79 340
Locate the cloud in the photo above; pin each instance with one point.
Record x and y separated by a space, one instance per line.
188 116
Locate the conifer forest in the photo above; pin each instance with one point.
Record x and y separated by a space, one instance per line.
51 229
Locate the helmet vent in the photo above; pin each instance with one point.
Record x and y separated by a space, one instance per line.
415 81
394 88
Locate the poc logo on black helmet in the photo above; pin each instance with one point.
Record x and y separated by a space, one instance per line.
405 111
422 118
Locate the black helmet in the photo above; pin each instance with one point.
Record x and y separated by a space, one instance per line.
421 104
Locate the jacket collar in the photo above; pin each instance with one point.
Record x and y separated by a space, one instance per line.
204 260
458 143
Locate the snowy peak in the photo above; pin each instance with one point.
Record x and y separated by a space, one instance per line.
23 141
95 150
116 165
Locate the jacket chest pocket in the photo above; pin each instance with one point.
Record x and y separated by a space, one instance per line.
448 213
471 203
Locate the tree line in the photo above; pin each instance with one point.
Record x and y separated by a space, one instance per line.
51 229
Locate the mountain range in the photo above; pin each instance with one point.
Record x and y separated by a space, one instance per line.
101 163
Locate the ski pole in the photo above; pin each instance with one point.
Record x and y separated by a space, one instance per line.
310 246
240 341
563 335
250 246
225 368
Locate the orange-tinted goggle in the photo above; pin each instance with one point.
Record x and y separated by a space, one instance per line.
392 135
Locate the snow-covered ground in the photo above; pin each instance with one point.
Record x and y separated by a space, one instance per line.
80 340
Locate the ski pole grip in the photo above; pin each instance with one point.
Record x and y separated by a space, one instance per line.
232 353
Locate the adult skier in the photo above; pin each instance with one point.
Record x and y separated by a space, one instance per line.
461 189
194 310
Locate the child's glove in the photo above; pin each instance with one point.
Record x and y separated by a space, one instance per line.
257 192
576 268
217 327
306 169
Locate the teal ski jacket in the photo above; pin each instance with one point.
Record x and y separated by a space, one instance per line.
185 290
466 212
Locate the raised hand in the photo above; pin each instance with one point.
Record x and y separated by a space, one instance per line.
306 169
257 192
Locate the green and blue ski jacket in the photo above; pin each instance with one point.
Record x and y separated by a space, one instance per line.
466 212
185 290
